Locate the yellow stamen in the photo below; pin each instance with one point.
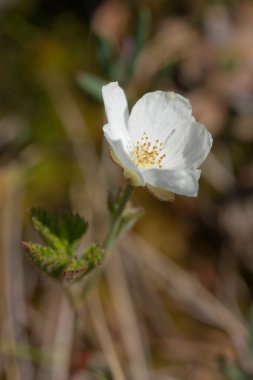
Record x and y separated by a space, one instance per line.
146 154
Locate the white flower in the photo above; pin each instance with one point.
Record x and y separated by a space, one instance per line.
160 144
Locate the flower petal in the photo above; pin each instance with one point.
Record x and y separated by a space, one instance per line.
121 157
188 146
167 116
183 182
159 114
198 146
117 112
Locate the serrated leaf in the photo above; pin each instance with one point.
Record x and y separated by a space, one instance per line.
61 266
46 259
60 231
92 258
91 84
75 270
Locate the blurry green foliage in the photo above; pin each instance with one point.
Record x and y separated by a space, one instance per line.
115 64
143 29
234 373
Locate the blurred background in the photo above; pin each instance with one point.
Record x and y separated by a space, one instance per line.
175 298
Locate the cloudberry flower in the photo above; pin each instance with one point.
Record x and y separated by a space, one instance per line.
159 144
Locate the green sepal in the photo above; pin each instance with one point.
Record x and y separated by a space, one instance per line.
47 259
60 231
133 177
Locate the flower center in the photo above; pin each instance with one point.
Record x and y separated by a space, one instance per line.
147 154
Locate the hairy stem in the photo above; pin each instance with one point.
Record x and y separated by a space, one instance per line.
110 238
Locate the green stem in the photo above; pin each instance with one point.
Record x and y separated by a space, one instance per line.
110 238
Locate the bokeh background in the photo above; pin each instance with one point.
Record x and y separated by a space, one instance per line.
175 299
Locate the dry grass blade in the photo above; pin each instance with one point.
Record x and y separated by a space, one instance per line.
147 298
63 341
13 297
44 325
187 291
127 319
55 329
84 151
103 334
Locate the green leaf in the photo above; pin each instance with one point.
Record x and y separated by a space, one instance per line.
60 231
91 84
46 259
92 257
61 266
75 270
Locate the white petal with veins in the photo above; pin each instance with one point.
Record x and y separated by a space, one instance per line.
184 182
188 146
116 109
158 114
